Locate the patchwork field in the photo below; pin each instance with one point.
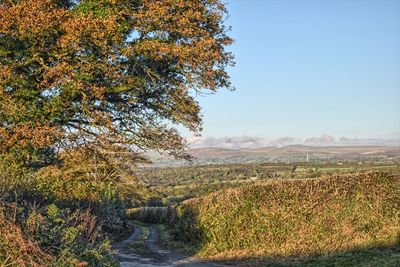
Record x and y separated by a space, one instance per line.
171 185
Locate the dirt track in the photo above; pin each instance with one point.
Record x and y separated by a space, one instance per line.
147 253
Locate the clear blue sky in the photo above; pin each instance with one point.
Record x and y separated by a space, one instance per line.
306 68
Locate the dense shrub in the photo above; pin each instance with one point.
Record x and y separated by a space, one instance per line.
164 215
42 225
50 236
71 236
69 190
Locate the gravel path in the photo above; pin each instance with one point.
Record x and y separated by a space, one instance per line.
147 253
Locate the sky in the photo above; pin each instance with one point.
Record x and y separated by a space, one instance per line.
307 68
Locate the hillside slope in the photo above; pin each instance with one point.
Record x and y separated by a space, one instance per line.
293 153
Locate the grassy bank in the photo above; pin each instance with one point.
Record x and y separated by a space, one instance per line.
294 219
300 217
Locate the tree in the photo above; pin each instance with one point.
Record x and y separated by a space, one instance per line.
115 75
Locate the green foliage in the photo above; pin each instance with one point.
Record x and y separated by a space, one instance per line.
101 9
165 215
53 237
101 198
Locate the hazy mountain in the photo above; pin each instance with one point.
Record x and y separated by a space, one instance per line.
236 142
320 141
370 141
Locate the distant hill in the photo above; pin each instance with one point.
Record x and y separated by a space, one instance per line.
291 153
217 152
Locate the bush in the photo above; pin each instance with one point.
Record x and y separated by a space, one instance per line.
101 197
17 250
71 236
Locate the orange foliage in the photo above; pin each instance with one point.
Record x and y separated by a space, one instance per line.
104 72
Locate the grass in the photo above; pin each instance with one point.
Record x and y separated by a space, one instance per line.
167 240
367 257
364 258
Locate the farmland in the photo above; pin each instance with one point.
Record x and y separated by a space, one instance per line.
170 185
278 214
